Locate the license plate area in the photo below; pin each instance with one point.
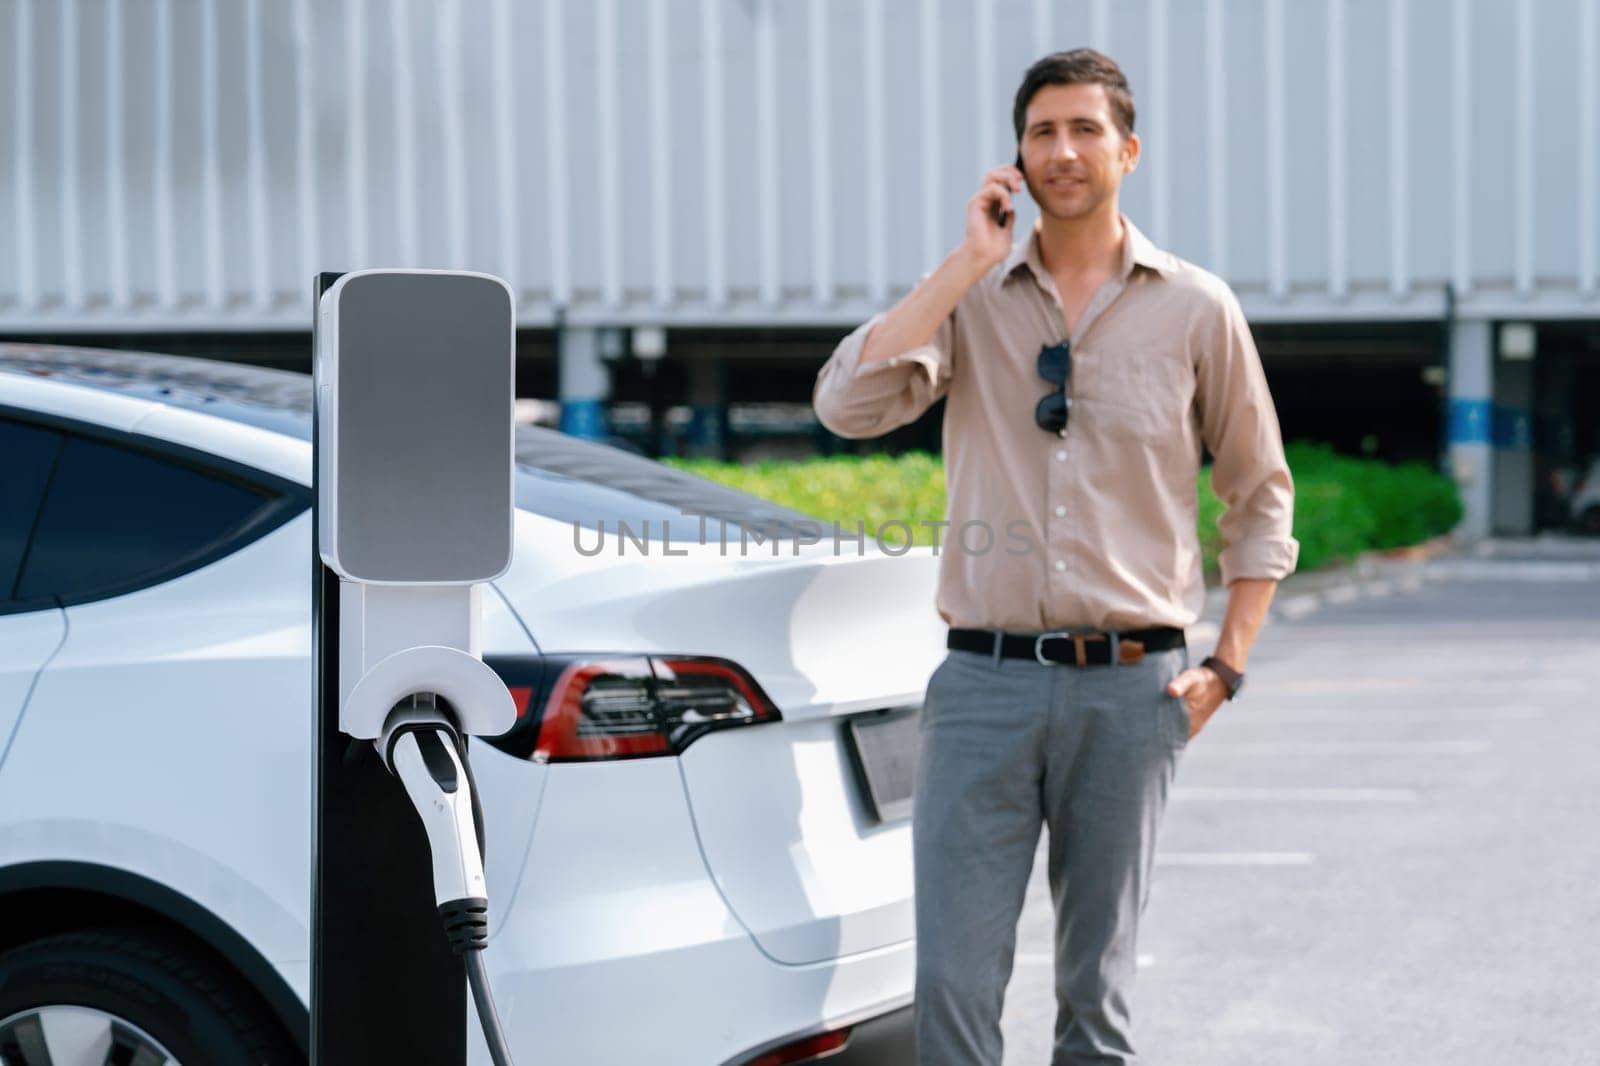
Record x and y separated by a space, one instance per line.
883 750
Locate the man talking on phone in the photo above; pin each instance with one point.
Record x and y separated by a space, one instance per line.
1083 369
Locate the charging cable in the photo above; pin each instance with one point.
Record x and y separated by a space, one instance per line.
422 748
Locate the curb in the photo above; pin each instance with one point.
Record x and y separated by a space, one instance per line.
1402 570
1373 574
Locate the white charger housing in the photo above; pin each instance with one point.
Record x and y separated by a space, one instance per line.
415 387
414 373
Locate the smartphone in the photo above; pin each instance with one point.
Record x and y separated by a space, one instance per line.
1000 215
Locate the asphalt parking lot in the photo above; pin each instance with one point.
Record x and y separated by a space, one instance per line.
1389 850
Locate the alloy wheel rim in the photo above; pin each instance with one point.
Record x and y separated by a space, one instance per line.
65 1035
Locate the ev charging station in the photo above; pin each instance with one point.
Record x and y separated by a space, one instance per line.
413 444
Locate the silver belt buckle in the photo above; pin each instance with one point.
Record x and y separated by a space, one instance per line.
1078 640
1038 646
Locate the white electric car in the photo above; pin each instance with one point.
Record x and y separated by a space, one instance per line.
698 839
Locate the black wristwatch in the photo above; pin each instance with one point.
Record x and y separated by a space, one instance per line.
1232 678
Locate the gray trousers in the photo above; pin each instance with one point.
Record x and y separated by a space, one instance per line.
1008 746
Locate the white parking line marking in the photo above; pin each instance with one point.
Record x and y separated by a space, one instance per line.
1253 748
1294 607
1235 858
1295 795
1307 715
1455 684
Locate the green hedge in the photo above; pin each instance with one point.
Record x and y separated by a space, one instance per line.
1343 506
1346 505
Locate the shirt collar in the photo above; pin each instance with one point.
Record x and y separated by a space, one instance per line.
1137 250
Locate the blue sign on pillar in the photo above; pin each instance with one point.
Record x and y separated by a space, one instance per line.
1470 421
583 418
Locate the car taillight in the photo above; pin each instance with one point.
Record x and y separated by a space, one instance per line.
581 708
809 1049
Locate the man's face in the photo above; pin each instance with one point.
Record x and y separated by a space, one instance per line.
1073 154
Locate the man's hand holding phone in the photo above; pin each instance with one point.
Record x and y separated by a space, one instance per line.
913 321
990 214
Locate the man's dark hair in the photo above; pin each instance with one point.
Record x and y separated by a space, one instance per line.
1081 66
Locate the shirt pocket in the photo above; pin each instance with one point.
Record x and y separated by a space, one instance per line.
1139 397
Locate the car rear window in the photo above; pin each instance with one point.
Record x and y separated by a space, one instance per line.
565 478
30 454
115 517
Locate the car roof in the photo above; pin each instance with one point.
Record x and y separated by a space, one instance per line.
277 400
280 401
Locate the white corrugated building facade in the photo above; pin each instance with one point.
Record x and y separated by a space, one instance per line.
1394 187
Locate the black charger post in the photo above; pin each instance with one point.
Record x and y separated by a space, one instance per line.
385 986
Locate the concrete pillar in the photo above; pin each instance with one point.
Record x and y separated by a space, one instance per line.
1555 434
584 382
650 348
1513 487
1471 422
707 436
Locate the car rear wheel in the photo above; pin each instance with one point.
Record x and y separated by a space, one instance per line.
129 996
1589 520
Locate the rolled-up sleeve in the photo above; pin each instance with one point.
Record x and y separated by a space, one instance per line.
858 402
1249 472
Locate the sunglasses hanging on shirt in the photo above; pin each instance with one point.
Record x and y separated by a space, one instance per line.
1055 366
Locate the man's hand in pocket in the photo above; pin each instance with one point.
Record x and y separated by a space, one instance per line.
1202 692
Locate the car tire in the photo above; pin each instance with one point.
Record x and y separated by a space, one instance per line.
168 997
1589 520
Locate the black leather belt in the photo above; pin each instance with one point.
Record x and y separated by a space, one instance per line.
1086 647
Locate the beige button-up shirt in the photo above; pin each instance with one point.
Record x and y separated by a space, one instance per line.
1096 526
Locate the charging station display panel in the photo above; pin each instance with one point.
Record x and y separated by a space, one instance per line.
415 382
